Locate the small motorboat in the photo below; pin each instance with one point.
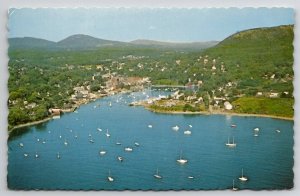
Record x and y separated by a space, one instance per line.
187 132
120 158
102 152
128 149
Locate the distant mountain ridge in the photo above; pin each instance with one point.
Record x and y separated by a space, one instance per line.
200 45
30 42
86 42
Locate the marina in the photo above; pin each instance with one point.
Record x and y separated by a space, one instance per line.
201 161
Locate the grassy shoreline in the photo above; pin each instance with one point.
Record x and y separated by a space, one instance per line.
219 113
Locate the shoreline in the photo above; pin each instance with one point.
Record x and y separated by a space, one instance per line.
30 123
220 113
78 104
69 110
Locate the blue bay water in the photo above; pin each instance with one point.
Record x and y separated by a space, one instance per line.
267 160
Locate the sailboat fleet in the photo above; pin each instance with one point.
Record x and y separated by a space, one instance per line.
156 175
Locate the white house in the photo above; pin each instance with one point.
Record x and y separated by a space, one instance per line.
273 95
227 105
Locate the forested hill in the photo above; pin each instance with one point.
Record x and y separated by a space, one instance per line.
263 45
29 43
260 59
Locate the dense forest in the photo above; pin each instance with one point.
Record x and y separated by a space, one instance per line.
254 62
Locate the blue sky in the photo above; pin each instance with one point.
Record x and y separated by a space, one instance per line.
127 24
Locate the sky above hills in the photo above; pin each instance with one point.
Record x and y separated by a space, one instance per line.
127 24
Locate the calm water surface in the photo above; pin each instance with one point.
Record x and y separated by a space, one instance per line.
267 159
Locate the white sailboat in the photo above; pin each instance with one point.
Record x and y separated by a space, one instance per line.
99 129
232 145
65 143
91 140
233 187
243 178
36 155
25 155
58 155
190 177
256 129
175 128
150 126
136 144
181 160
109 177
157 175
107 134
21 144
